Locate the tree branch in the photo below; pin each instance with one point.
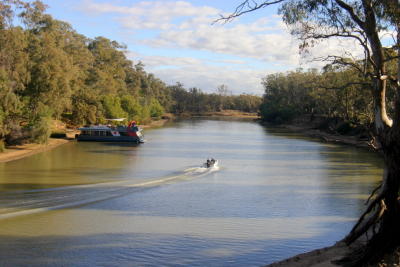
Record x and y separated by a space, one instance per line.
351 12
246 7
342 61
391 58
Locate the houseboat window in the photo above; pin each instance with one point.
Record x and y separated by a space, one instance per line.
123 133
108 134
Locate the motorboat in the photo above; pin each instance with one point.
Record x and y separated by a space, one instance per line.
210 163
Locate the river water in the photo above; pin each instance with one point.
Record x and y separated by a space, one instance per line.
275 194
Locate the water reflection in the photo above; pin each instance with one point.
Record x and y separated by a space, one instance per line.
277 194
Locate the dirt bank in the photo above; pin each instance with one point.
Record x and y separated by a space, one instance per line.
331 138
326 257
320 257
22 151
224 113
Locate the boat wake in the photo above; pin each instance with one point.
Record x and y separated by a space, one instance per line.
200 171
25 202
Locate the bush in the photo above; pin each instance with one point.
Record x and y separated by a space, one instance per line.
273 114
40 125
58 135
2 146
132 107
156 110
345 128
112 107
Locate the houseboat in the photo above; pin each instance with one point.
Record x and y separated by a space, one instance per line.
108 133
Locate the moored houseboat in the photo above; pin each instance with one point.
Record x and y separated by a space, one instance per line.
108 133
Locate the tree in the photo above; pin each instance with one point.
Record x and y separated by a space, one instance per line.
360 20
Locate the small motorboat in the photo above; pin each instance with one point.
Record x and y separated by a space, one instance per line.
210 163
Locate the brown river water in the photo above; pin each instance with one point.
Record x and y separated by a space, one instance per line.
274 194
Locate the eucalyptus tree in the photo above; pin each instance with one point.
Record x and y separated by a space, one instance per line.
14 72
107 75
363 21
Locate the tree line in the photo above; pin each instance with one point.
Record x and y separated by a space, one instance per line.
338 96
49 71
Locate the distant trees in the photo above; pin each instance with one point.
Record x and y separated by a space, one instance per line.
49 71
297 93
196 101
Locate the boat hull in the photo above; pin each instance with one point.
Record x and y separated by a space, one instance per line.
132 139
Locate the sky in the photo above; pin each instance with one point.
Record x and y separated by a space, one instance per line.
177 41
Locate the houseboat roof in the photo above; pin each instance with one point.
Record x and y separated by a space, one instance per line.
95 128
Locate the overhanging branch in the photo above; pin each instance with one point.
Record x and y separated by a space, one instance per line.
342 61
246 7
351 12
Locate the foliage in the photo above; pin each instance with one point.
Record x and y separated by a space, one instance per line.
196 101
48 70
156 110
112 107
132 107
40 124
318 94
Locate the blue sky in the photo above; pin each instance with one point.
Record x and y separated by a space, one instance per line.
177 41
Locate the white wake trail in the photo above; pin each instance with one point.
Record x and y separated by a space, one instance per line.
19 203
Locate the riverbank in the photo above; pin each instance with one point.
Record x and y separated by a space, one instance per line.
326 257
323 257
21 151
223 113
323 136
330 130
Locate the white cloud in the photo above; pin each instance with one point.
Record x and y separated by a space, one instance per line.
238 40
153 14
198 73
184 27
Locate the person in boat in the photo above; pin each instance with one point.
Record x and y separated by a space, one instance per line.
210 162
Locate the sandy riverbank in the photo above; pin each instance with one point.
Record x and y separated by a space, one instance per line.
22 151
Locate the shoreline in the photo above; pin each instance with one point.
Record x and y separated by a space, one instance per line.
17 152
328 137
322 257
21 151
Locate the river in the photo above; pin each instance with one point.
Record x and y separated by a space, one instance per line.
275 194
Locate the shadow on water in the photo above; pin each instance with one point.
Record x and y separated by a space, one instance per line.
121 144
130 249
